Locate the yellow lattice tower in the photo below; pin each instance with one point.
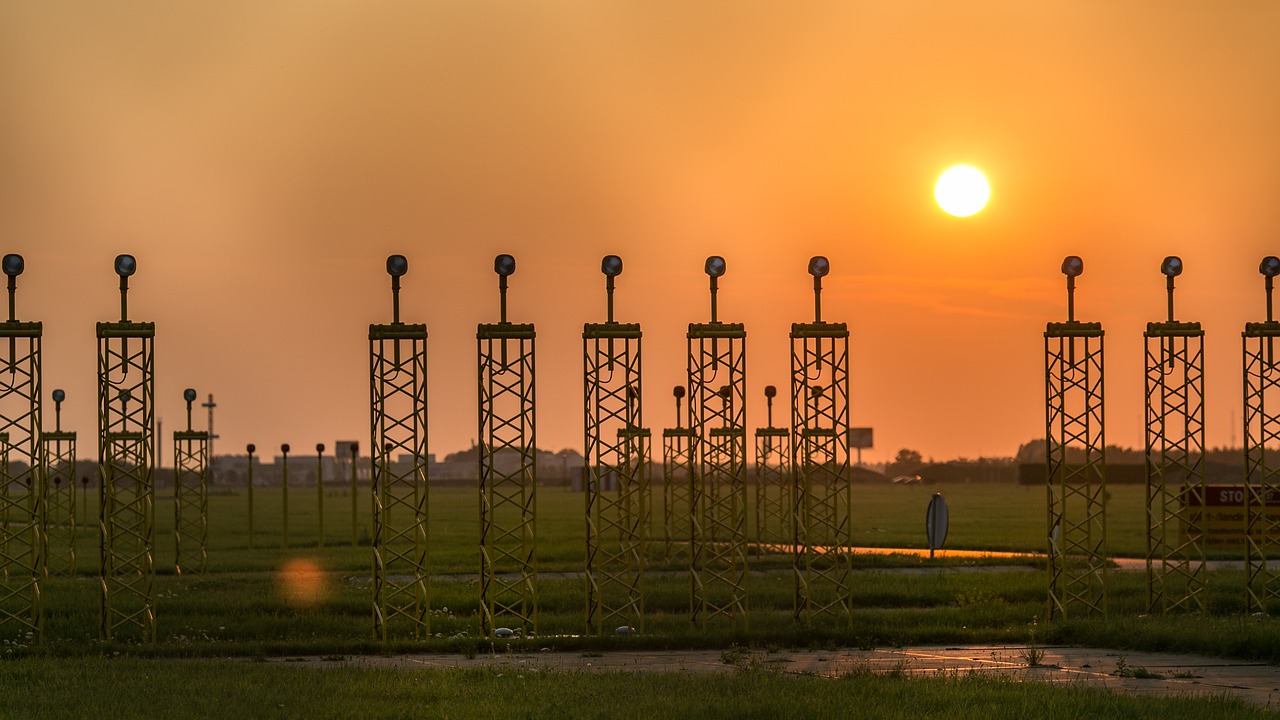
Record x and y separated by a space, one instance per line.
58 465
190 496
820 435
508 474
22 560
775 509
717 364
1075 454
1262 468
126 460
398 401
1175 488
677 479
616 470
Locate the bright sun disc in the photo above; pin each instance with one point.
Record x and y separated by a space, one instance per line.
962 191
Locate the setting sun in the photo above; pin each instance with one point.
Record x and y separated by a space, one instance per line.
962 191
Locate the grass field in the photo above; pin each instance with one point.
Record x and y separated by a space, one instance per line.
242 608
983 516
134 688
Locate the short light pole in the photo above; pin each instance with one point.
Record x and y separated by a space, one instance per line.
84 499
249 487
284 484
355 455
320 494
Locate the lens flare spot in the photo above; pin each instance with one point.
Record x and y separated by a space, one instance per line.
302 583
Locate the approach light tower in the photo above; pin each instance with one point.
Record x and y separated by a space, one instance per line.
190 496
678 478
22 560
1262 471
823 498
775 509
58 464
1175 460
1075 456
126 470
717 364
398 422
508 538
617 445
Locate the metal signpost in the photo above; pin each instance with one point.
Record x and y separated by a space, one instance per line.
717 365
1075 460
1262 471
1175 488
616 470
190 495
775 509
508 474
22 559
126 471
820 435
398 421
58 463
936 520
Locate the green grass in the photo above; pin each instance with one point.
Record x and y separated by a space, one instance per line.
240 606
136 688
983 516
241 609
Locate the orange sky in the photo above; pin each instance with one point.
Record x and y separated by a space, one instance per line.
261 158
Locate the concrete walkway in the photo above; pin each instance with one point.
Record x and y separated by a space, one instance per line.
1128 672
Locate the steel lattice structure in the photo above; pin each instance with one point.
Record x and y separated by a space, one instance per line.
22 559
190 496
616 470
820 435
775 507
126 459
398 421
677 486
1075 455
1175 488
58 466
508 474
1262 471
717 371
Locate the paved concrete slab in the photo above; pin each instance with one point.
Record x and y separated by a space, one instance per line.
1128 672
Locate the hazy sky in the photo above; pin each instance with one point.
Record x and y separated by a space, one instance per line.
261 158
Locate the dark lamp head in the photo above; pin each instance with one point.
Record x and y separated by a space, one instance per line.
397 266
1270 266
1072 266
770 391
1172 266
14 265
819 266
611 265
59 396
126 265
251 448
715 266
504 265
678 391
189 394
